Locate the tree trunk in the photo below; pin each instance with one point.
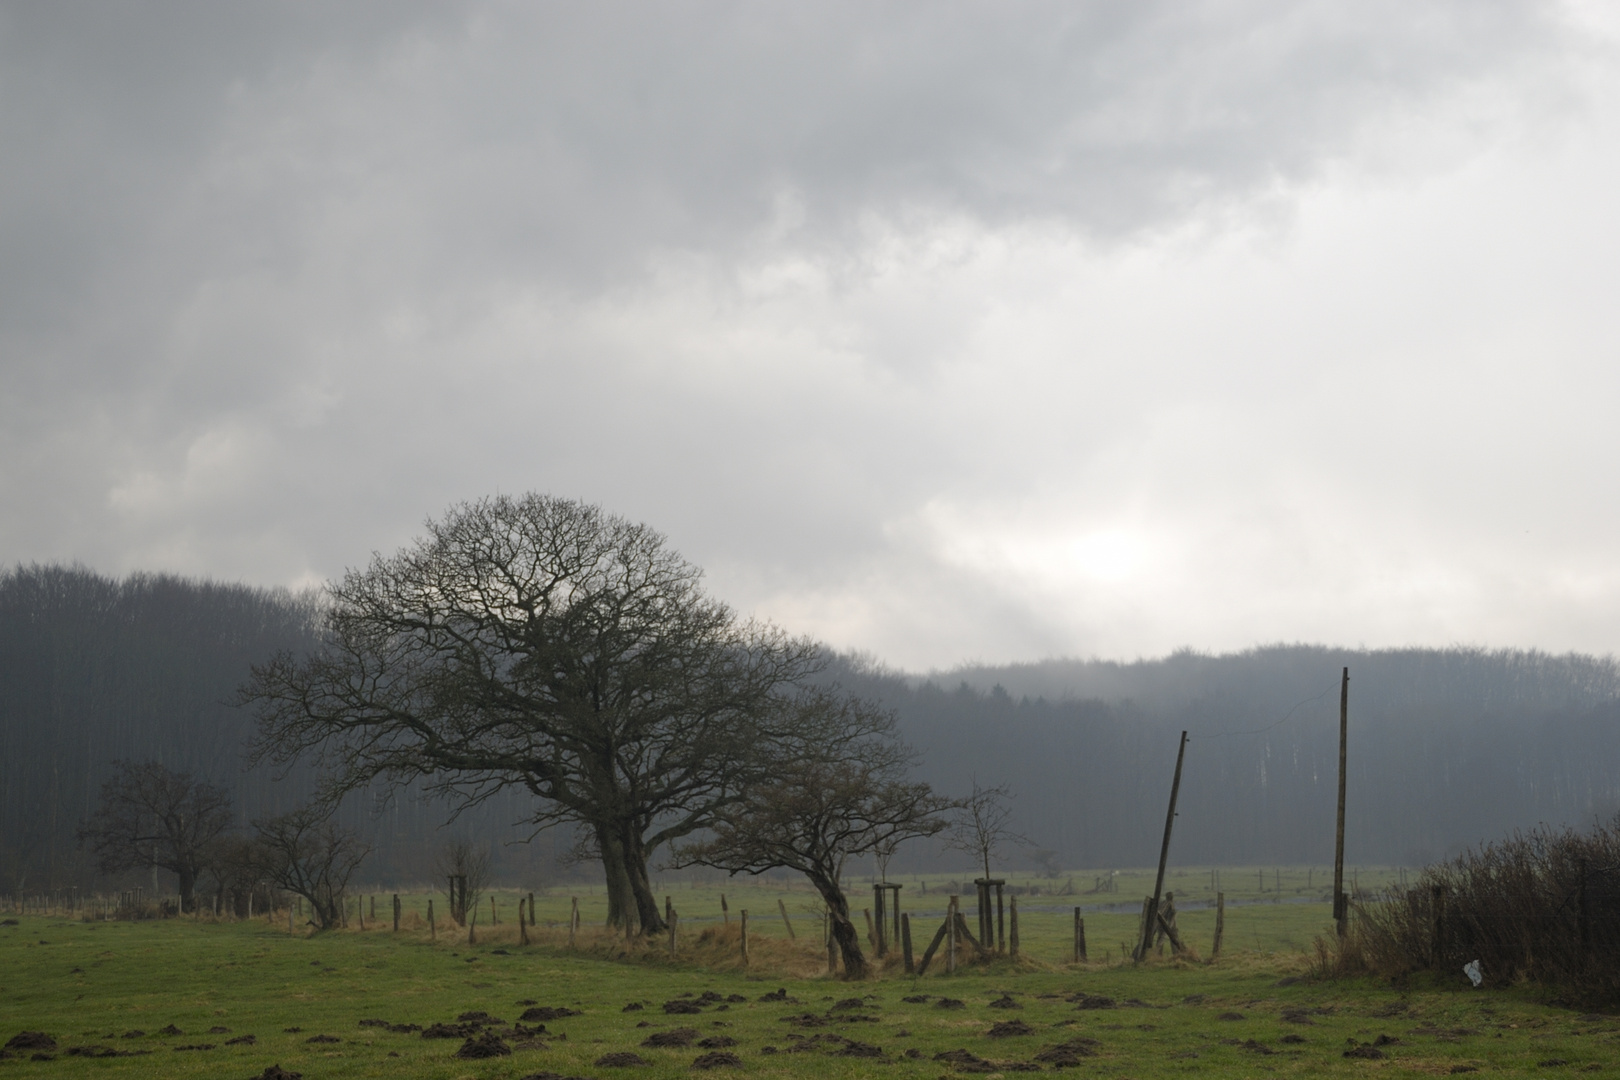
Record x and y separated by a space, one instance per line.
843 931
188 888
629 888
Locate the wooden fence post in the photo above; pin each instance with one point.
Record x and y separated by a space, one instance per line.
494 919
1001 922
573 921
523 925
1012 929
1220 924
905 941
782 907
950 937
472 927
725 912
433 929
396 913
743 919
1079 937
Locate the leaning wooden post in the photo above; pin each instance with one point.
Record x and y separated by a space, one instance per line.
1012 929
1220 924
782 907
1152 914
744 920
950 936
905 942
531 909
1341 913
573 921
871 934
523 924
396 913
1079 937
472 927
1001 922
433 929
879 941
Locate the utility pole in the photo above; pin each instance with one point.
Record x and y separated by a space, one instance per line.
1164 854
1341 905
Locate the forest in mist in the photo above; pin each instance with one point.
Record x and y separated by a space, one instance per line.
1448 747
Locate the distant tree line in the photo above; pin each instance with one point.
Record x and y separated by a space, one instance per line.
1448 748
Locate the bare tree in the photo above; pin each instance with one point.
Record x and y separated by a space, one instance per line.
841 793
543 644
462 858
982 828
151 816
308 853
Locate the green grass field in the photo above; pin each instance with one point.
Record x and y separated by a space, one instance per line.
1254 1011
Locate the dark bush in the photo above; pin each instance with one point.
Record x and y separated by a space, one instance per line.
1541 907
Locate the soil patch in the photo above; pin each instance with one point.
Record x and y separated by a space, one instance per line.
675 1038
546 1012
620 1059
717 1042
719 1059
486 1044
31 1040
1004 1028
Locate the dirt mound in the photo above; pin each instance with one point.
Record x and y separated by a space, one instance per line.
484 1045
276 1072
170 1030
1068 1054
242 1040
374 1023
1005 1001
219 1029
915 999
450 1031
202 1046
847 1004
1292 1040
675 1038
136 1034
547 1012
634 1006
682 1008
1366 1051
323 1039
548 1075
1254 1047
620 1059
717 1042
808 1020
1004 1028
1093 1001
31 1040
717 1060
852 1048
775 995
102 1052
950 1003
481 1017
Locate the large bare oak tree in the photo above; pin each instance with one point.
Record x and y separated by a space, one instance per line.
540 642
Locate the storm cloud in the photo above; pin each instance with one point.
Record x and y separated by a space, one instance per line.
945 332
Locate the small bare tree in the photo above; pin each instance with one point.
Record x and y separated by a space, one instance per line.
842 792
462 859
307 853
152 816
982 827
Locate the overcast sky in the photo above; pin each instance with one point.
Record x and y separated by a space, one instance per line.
942 331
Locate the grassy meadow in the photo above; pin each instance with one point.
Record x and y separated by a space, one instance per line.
194 990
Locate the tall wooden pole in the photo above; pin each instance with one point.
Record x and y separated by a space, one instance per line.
1164 855
1341 914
